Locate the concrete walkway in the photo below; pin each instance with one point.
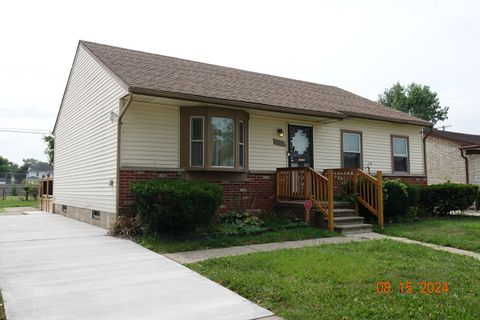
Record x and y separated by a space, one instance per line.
200 255
16 210
52 267
373 236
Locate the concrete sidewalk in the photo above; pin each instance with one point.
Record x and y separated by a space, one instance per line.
201 255
52 267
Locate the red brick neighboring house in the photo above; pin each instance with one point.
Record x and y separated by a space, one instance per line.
453 156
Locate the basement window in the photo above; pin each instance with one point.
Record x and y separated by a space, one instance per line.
96 214
64 208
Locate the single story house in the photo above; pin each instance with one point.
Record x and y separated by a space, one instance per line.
128 115
452 156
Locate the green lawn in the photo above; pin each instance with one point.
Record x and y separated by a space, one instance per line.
163 244
339 281
14 201
455 231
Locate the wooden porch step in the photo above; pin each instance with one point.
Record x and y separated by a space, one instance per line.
353 228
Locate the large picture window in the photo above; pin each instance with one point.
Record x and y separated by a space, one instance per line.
223 142
352 149
213 139
400 154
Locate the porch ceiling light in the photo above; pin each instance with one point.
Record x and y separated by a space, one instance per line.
280 132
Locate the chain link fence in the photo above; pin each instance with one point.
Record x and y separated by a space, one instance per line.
18 184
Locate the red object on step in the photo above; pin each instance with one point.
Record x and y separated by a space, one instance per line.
308 204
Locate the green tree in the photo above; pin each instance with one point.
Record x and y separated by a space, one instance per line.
50 140
7 166
27 163
415 99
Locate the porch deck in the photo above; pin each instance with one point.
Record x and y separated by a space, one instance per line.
297 185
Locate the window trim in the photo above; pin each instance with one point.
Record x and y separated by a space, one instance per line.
208 112
392 137
241 142
360 133
191 140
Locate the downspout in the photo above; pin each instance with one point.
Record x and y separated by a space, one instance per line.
119 133
425 136
467 173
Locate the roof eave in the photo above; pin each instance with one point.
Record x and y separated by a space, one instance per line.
419 122
233 103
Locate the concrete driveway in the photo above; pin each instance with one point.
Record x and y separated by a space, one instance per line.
52 267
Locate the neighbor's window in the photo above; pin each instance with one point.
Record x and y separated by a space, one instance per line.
213 138
222 142
196 141
352 150
400 154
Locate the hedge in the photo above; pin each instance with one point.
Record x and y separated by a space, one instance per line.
395 199
176 206
443 198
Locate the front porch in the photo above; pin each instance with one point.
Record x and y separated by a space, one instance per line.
335 195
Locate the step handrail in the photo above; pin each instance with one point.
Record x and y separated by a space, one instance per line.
367 190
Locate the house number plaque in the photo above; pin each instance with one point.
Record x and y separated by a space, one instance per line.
278 142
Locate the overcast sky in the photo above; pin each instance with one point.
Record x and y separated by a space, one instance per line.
360 46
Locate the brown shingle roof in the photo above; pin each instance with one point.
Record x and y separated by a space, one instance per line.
158 75
462 139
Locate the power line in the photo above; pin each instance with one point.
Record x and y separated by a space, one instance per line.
28 115
31 131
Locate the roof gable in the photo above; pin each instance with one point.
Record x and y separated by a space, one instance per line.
153 74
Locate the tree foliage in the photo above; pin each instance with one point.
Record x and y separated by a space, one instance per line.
7 166
27 163
50 140
415 99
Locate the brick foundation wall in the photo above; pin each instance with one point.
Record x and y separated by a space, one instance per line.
256 192
415 180
129 176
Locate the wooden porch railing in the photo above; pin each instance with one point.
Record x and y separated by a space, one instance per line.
306 183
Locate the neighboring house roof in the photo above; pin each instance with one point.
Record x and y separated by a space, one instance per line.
41 167
462 139
157 75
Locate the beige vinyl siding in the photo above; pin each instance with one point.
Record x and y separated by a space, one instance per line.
150 136
263 154
376 144
86 138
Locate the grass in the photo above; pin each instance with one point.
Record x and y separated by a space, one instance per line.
2 309
338 281
14 201
454 231
164 244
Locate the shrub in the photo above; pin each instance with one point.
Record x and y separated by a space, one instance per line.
395 199
443 198
241 222
175 206
127 226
